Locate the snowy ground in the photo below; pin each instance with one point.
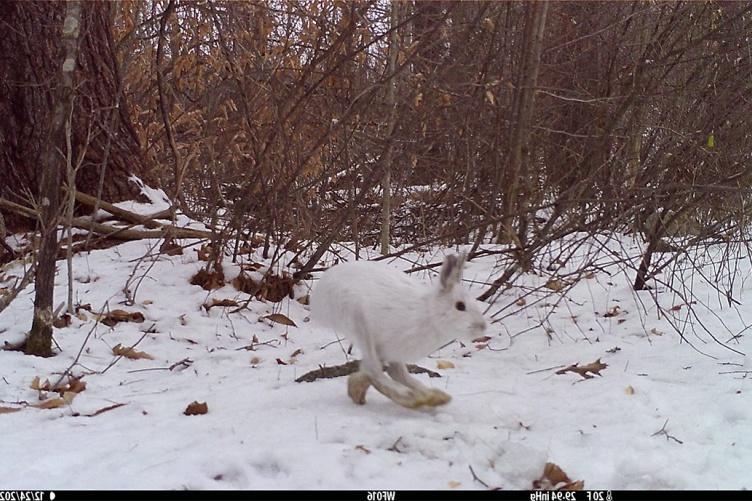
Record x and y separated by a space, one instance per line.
510 412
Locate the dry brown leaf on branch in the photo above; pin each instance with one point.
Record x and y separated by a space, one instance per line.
244 283
553 477
521 302
482 339
209 280
593 367
205 253
275 288
170 248
250 266
196 408
555 284
132 353
279 318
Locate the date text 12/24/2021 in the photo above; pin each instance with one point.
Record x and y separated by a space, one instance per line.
571 496
26 496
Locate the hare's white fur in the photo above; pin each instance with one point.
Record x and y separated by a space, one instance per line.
393 319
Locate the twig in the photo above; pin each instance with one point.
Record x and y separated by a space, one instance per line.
83 345
663 431
186 362
475 477
544 370
394 448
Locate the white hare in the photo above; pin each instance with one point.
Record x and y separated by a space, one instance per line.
392 319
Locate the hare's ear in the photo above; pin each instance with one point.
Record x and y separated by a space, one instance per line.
451 271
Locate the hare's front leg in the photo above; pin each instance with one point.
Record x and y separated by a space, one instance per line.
428 396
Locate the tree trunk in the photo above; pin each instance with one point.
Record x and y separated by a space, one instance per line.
523 111
391 102
29 61
39 341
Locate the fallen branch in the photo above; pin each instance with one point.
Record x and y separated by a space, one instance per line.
350 368
122 233
125 215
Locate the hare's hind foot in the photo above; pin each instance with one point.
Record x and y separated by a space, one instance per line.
435 398
359 382
357 386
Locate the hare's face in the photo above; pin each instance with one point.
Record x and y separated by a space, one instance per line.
460 315
463 316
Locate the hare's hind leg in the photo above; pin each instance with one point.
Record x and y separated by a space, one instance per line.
372 373
357 386
428 396
390 388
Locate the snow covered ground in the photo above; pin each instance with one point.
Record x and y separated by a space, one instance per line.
510 414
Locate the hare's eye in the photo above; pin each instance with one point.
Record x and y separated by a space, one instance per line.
460 305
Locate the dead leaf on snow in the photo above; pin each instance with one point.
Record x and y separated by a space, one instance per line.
612 312
220 302
62 321
131 353
521 302
453 484
52 403
554 478
116 316
196 408
36 384
362 448
444 364
279 318
55 403
8 410
629 390
593 367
